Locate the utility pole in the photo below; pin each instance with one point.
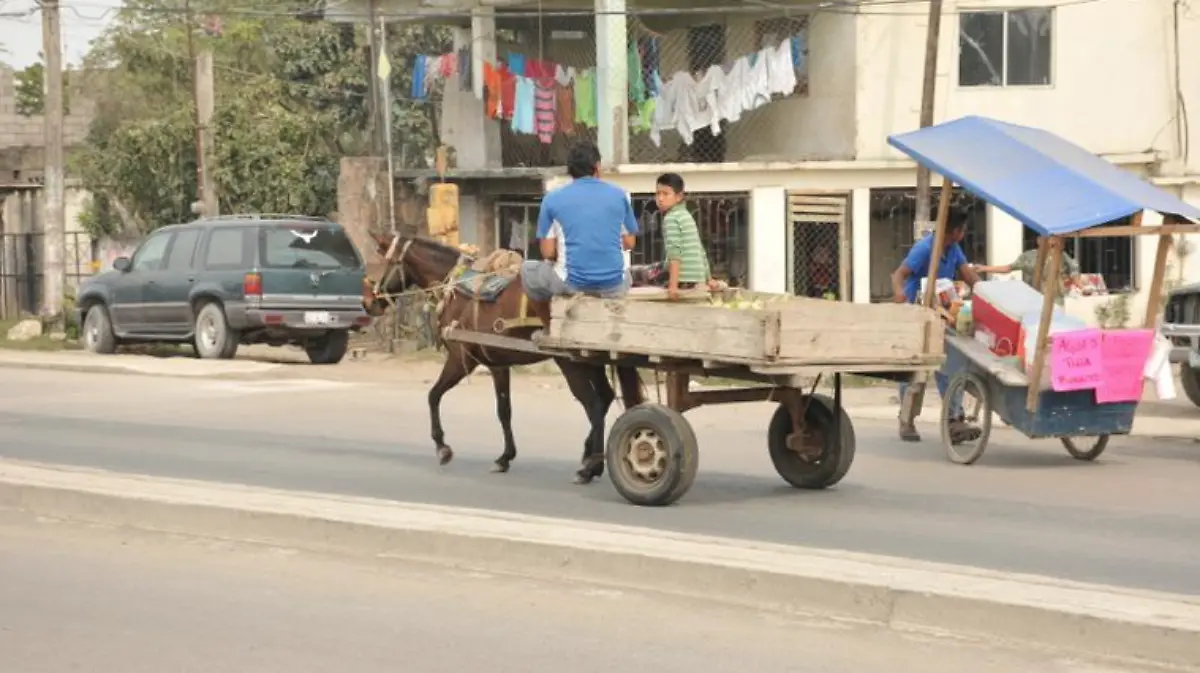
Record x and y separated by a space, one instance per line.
202 109
54 237
928 87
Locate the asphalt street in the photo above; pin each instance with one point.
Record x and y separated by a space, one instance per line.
1132 518
97 599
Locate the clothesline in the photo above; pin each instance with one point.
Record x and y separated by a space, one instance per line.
543 98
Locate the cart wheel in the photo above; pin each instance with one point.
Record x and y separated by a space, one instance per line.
817 461
1078 450
652 455
965 446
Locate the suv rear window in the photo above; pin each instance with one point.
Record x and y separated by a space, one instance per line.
303 246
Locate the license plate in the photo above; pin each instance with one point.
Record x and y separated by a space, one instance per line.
318 318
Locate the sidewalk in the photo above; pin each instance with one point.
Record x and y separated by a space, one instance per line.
1156 418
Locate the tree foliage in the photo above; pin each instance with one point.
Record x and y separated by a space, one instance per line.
291 100
29 88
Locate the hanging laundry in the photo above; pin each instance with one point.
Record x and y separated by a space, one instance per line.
781 71
464 69
758 82
633 73
523 106
676 108
493 105
417 91
650 65
508 93
516 64
448 65
585 98
732 94
799 51
544 114
564 107
706 98
564 75
643 119
536 69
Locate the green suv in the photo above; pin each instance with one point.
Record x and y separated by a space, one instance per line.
228 280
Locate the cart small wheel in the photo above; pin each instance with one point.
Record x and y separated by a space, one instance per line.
652 455
966 438
817 460
1079 448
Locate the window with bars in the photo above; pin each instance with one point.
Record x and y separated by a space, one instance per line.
722 219
1113 258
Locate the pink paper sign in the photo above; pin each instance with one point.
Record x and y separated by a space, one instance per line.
1075 360
1123 359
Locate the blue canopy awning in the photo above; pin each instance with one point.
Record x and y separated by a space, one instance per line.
1049 184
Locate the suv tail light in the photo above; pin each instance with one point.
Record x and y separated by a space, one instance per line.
252 285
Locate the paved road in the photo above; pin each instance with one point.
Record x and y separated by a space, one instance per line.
1132 518
99 599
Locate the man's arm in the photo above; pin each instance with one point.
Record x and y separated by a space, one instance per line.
630 224
998 268
545 234
917 258
968 274
672 235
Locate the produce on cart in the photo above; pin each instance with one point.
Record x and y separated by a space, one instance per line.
1042 371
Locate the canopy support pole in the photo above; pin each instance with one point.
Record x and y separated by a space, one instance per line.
1156 284
1043 244
1050 291
914 399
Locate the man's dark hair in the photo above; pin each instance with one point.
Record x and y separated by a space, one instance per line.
582 159
956 224
672 180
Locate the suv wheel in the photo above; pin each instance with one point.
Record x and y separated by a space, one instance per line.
214 340
328 349
98 334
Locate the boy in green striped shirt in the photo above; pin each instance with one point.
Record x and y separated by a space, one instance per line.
686 259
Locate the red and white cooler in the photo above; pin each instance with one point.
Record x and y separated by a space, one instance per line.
997 308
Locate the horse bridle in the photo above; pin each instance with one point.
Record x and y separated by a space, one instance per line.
392 260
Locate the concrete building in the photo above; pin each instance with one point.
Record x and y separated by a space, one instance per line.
810 174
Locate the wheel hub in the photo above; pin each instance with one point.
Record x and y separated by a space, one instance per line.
646 455
808 444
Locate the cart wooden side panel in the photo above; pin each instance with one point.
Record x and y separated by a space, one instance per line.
793 332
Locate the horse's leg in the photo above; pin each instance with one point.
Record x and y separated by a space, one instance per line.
456 368
633 392
502 381
581 380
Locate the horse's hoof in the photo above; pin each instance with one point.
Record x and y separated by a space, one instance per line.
500 467
445 454
584 478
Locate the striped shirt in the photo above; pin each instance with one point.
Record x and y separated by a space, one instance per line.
681 238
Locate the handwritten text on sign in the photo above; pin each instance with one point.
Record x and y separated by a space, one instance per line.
1075 360
1123 360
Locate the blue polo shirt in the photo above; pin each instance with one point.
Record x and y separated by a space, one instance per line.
917 262
591 214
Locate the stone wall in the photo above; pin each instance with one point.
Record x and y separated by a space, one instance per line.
22 138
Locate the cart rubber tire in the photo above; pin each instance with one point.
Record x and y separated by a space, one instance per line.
798 473
1093 453
1191 383
958 383
98 335
673 436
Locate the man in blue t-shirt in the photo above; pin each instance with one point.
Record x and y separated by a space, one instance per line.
906 286
590 224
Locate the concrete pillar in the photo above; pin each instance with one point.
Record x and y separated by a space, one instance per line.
768 237
465 126
612 81
1005 237
860 245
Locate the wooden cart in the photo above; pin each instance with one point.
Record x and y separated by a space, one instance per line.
785 347
1012 166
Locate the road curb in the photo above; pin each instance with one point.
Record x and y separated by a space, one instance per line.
1097 620
139 368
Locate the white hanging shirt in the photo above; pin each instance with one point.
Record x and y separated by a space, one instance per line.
564 75
781 72
758 82
732 93
706 98
676 108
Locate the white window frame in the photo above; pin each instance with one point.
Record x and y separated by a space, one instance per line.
1004 12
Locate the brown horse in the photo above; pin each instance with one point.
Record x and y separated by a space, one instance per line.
420 264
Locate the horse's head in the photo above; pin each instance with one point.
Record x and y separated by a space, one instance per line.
409 263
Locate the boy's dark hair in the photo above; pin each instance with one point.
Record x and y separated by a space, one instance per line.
672 180
582 159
